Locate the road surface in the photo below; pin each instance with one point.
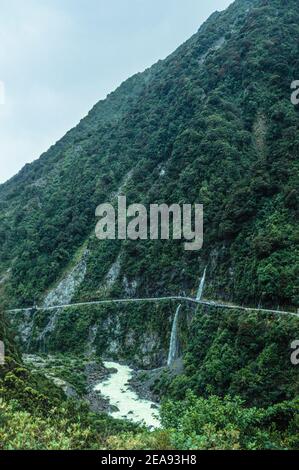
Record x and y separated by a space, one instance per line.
208 303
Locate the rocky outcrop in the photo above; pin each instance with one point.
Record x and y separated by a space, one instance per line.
65 290
62 295
112 274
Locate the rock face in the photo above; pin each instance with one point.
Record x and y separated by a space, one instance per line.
64 292
136 333
94 374
112 275
25 327
62 295
143 349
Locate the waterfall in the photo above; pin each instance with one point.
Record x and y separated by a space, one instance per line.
173 347
201 285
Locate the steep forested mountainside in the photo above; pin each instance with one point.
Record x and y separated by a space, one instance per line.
212 124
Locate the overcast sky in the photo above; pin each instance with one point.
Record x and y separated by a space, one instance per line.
59 57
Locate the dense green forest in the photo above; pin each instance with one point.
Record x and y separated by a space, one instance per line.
211 124
238 389
216 116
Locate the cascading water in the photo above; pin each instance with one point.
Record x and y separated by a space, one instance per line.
201 285
173 347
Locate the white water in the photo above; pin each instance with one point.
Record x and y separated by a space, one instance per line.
173 347
116 389
201 285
